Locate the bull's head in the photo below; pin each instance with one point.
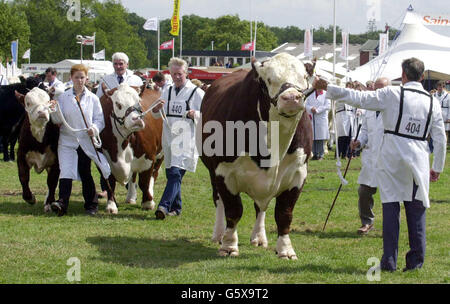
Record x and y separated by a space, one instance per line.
285 80
37 104
127 109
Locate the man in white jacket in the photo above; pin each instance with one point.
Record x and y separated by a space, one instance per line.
56 86
403 171
369 140
180 104
317 107
121 73
444 99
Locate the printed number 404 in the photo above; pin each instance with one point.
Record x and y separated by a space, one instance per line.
412 128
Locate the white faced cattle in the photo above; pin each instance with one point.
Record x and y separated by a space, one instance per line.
131 143
270 95
38 144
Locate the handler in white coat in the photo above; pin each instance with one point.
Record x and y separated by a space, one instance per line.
345 119
181 105
409 115
317 106
56 86
75 149
444 99
369 140
121 73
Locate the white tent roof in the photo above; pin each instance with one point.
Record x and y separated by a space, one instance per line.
95 66
415 40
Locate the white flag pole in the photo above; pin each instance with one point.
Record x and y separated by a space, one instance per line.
94 42
334 41
158 48
254 41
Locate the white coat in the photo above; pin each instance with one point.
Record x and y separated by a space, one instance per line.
370 138
111 82
179 153
402 160
444 100
345 120
319 120
59 87
69 141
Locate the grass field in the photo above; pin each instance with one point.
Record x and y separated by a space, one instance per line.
133 247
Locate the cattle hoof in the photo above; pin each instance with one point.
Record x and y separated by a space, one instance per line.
47 208
131 202
257 243
232 252
112 210
31 201
148 205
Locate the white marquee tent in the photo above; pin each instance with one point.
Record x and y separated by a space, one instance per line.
415 40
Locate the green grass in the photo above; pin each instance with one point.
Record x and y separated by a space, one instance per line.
133 247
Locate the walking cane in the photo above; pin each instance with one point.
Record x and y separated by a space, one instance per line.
93 145
340 186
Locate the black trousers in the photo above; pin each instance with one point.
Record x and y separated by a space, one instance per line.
87 182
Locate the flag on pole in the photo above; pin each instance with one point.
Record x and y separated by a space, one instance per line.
151 24
175 21
14 50
249 46
308 44
88 40
167 45
383 44
100 55
27 54
344 49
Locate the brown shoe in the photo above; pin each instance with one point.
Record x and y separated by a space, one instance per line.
364 229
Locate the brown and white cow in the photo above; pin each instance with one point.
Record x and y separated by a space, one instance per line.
131 143
272 94
38 143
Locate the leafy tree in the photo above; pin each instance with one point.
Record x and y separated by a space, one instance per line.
13 26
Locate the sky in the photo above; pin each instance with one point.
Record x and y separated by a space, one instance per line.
351 15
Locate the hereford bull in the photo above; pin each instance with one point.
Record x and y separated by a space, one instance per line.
131 143
38 143
271 94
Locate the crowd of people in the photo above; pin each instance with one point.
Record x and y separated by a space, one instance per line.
375 119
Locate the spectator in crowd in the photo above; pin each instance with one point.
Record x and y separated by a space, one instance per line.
161 81
317 106
345 120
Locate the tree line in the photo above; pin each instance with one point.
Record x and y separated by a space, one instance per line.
43 26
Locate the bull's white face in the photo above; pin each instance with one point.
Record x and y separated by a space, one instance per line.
124 99
37 107
280 73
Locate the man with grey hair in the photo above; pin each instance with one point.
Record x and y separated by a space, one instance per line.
121 73
369 141
180 103
403 171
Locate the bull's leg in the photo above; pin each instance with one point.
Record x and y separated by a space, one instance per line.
219 225
144 185
5 148
12 144
258 237
131 193
111 206
233 213
24 177
283 217
52 183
